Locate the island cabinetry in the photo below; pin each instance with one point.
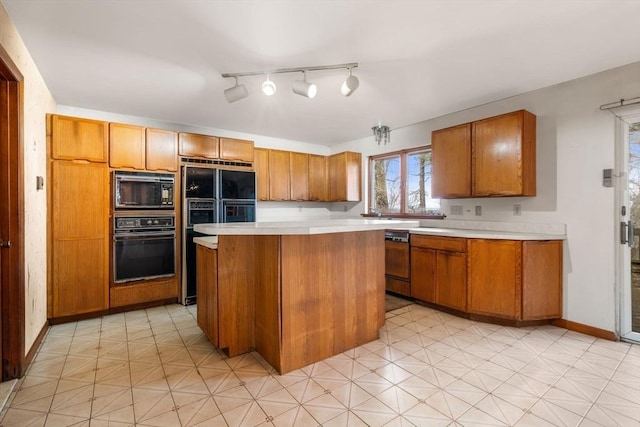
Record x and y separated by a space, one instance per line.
207 291
79 256
126 146
279 175
451 162
78 139
345 173
519 280
438 270
195 145
236 149
299 176
261 166
161 150
504 155
318 178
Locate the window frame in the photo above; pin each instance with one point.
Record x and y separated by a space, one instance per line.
403 154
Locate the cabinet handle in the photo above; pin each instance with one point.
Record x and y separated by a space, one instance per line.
5 243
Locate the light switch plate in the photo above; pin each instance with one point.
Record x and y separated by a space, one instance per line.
478 210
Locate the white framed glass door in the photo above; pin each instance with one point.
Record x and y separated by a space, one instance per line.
628 209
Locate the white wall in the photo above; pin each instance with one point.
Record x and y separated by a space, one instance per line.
575 141
37 103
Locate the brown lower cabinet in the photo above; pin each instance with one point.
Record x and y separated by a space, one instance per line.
506 279
207 291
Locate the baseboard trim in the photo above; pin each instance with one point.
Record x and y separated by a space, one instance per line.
36 344
585 329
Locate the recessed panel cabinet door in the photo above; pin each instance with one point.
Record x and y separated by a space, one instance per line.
127 146
162 150
80 238
451 162
236 149
79 139
194 145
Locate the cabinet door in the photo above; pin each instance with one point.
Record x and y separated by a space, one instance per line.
299 176
318 182
207 291
503 155
261 166
396 259
236 149
194 145
126 146
541 279
80 238
423 274
79 139
162 150
451 279
345 177
495 277
451 162
279 175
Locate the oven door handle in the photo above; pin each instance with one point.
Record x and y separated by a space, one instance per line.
143 236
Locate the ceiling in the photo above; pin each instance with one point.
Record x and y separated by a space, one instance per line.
417 59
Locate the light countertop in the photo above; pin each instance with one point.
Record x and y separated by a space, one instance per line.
486 234
303 227
210 242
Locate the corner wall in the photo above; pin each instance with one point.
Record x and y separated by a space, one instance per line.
575 141
37 101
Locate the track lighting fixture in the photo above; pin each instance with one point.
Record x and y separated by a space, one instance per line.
236 93
268 87
300 87
304 88
350 84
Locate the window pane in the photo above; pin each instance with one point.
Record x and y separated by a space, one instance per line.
419 184
385 181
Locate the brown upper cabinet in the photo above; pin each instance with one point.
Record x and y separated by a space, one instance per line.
261 166
488 158
451 165
279 175
79 139
299 176
236 149
345 176
318 178
194 145
126 146
162 150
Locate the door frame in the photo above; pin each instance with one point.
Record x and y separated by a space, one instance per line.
12 291
623 251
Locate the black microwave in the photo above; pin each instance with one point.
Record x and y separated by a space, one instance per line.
143 190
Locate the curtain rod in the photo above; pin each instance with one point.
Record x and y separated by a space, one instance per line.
621 103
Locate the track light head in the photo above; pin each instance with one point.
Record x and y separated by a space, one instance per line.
350 84
304 88
236 93
268 87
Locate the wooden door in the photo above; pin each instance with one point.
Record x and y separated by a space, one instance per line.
80 231
162 150
299 176
207 291
194 145
279 167
318 181
451 162
126 146
495 277
261 166
503 155
345 177
451 279
79 139
423 274
236 149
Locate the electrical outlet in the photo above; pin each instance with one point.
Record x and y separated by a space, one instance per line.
478 210
517 210
456 210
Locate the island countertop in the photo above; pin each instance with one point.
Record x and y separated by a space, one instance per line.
323 226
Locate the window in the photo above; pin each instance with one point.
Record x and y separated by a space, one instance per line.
400 183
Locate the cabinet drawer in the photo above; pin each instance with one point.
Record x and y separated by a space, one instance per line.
398 286
454 244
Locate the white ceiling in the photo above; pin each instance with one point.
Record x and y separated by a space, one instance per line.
162 59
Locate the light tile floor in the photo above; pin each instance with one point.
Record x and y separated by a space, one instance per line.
155 368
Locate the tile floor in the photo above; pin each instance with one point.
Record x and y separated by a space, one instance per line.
154 368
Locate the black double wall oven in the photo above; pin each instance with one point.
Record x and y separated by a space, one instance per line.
211 195
144 226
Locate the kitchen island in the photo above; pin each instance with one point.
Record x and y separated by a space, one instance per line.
296 292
